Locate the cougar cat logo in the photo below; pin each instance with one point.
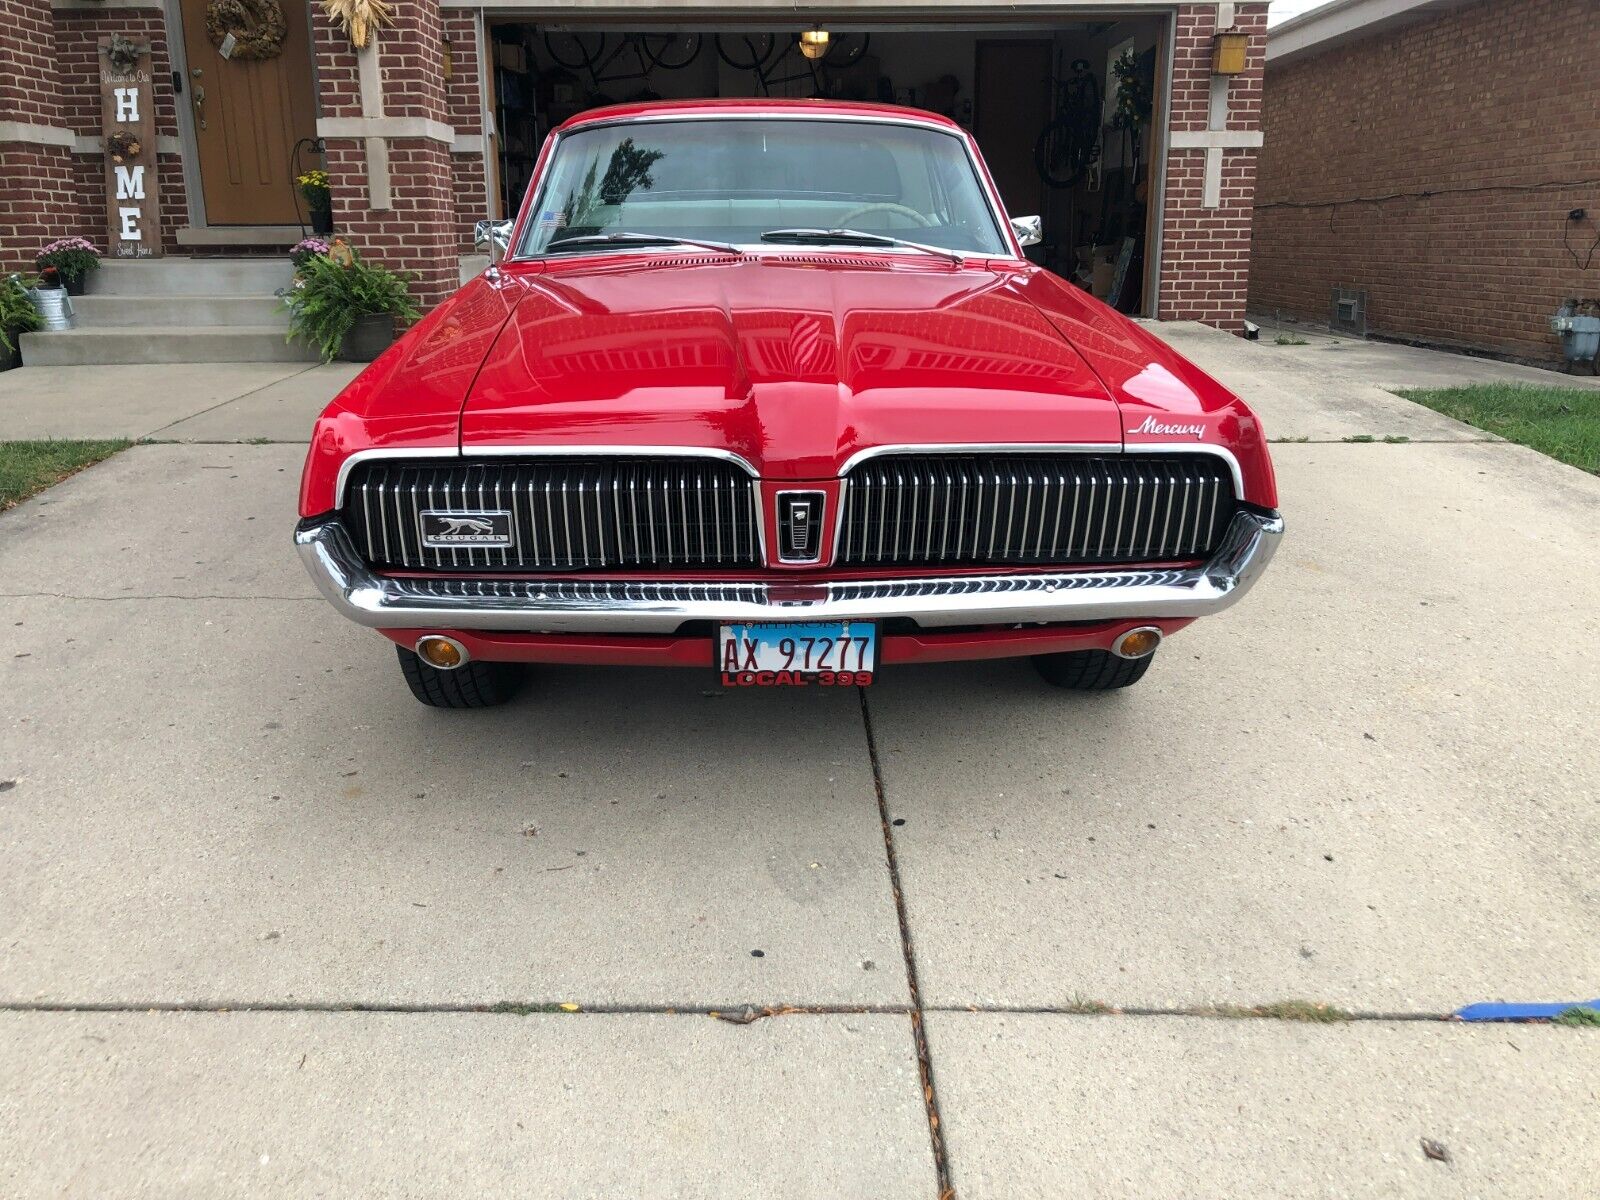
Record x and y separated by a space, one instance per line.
1151 425
463 530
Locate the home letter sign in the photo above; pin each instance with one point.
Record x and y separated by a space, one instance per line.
133 215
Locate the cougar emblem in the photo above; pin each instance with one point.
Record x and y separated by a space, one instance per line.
455 525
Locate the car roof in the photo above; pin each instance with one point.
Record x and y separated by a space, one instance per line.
666 109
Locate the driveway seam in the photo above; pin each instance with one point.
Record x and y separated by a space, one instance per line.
919 1037
159 596
231 399
734 1012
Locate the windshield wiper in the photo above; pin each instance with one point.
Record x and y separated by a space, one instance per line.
856 237
625 238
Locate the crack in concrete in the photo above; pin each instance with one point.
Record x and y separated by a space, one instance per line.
919 1036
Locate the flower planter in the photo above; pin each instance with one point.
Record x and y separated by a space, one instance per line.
76 287
322 220
11 356
370 336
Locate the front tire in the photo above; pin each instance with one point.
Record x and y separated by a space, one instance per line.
473 685
1091 670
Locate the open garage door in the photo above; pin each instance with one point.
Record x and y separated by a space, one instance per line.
1068 114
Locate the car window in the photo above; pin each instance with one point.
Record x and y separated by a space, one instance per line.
733 179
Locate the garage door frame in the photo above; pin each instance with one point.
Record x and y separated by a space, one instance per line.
872 15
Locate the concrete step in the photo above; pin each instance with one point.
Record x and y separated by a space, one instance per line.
185 312
86 346
191 276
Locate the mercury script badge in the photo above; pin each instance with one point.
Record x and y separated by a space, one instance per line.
1151 425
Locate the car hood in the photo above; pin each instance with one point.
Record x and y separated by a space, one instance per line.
792 362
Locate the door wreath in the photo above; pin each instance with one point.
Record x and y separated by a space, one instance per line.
257 26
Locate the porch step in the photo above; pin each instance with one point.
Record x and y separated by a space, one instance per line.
177 276
87 345
100 311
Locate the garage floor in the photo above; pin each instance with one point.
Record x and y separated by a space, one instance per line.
259 908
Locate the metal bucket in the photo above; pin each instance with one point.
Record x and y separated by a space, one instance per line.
55 306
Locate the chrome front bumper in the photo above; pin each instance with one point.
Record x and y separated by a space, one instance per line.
646 606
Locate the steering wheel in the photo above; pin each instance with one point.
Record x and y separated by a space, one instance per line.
885 206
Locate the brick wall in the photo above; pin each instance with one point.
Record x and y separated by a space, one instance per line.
436 194
1490 95
77 50
1205 252
464 98
417 232
51 78
37 190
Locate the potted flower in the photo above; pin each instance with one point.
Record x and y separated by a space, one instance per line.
72 258
305 250
17 316
313 186
347 308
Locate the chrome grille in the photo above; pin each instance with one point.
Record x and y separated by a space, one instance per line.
1024 508
566 514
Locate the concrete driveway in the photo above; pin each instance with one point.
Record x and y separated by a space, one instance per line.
269 927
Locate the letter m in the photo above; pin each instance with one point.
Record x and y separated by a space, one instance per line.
130 183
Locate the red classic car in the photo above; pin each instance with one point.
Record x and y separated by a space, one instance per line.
770 389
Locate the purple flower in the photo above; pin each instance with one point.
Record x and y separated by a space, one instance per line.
70 243
308 246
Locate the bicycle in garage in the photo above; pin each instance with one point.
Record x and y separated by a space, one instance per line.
1070 144
775 60
627 57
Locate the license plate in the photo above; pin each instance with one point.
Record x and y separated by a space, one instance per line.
798 653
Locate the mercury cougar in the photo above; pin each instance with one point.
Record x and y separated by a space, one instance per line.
771 390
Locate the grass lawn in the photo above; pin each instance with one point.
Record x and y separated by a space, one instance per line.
29 467
1561 422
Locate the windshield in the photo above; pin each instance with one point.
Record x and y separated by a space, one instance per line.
732 180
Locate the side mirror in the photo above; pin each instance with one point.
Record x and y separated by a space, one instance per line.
493 238
1029 230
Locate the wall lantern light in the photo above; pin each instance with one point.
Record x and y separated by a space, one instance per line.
1229 53
814 43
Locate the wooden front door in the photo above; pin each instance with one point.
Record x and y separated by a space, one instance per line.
248 113
1011 104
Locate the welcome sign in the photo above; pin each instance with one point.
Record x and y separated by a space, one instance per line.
128 118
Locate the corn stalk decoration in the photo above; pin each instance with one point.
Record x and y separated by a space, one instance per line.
359 17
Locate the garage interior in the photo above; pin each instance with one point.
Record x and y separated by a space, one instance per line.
1066 114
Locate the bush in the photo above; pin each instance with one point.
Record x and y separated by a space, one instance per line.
332 292
72 257
17 313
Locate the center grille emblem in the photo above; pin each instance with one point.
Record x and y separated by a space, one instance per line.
453 530
800 526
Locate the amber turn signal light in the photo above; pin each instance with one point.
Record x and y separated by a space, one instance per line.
442 652
1137 643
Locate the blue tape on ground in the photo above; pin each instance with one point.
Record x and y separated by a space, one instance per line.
1521 1012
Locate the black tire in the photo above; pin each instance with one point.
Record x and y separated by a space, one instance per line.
1091 670
476 685
744 51
575 51
670 52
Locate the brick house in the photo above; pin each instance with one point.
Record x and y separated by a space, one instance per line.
1425 156
421 135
